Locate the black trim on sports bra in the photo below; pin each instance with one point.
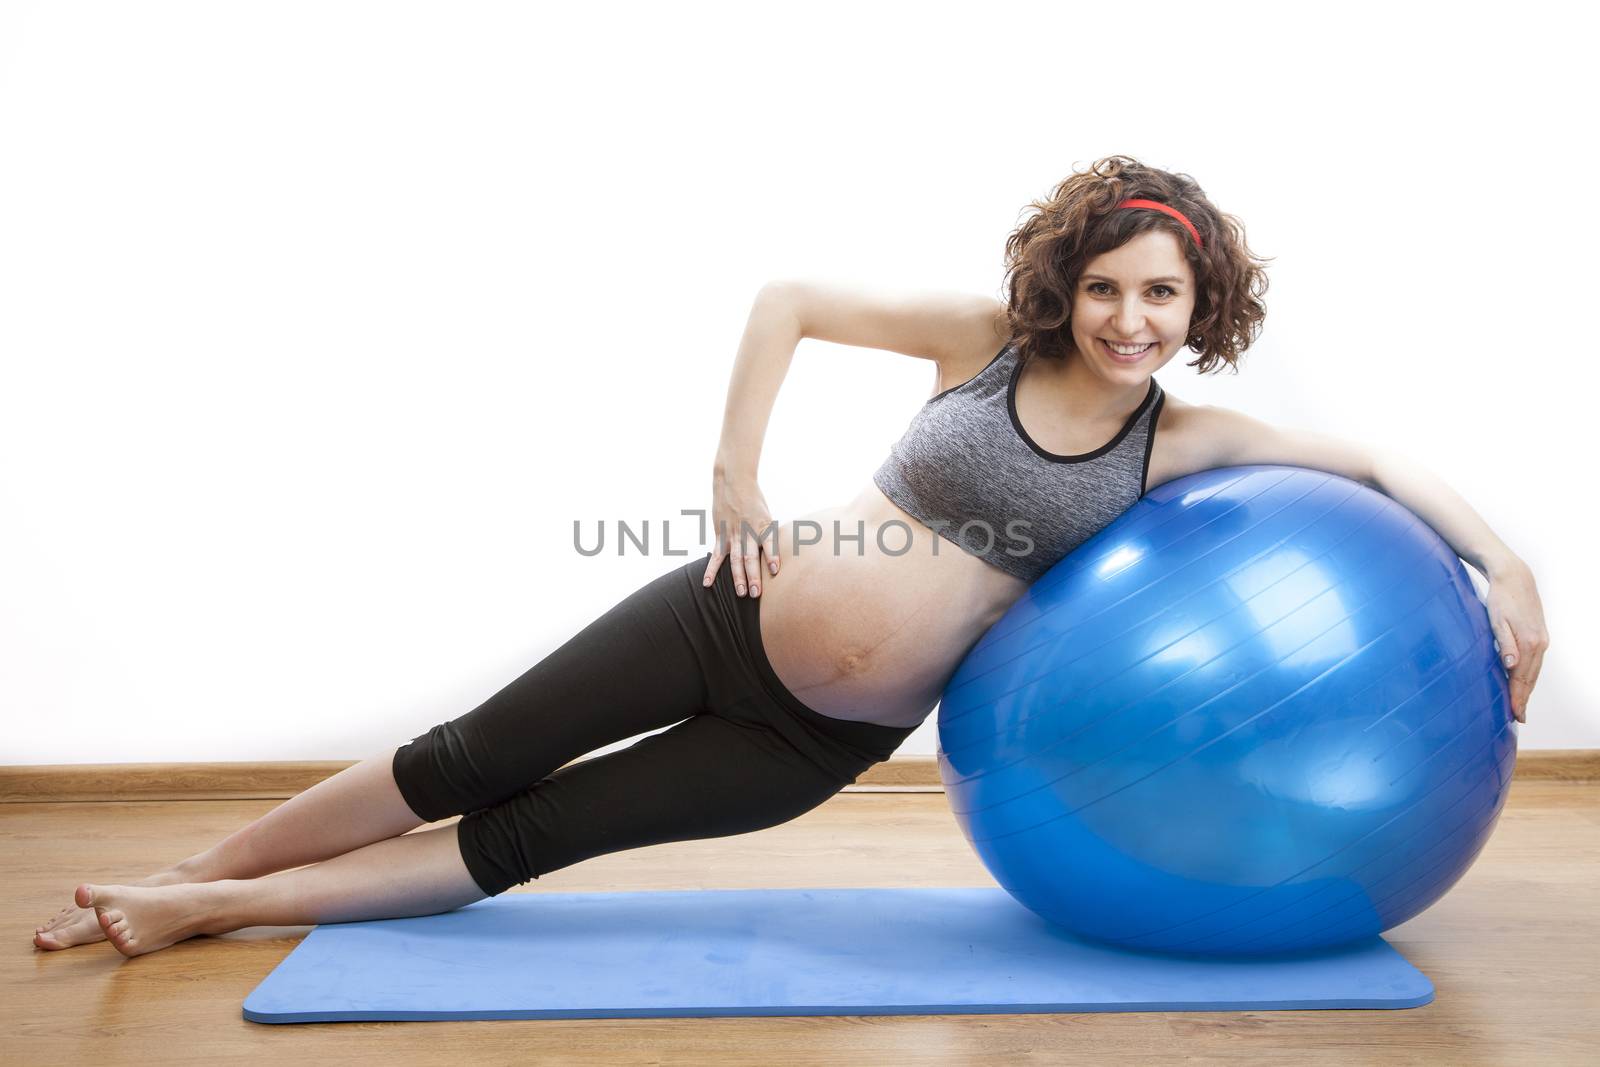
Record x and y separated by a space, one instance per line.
970 380
1127 426
1149 444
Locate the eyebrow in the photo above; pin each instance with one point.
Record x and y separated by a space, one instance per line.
1113 281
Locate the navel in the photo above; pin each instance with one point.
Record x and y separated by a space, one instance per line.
852 662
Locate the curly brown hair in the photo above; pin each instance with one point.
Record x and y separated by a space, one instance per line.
1047 254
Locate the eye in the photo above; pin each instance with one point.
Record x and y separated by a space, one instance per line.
1167 290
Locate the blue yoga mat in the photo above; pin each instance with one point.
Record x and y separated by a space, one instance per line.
781 952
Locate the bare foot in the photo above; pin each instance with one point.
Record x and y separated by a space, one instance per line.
142 919
80 926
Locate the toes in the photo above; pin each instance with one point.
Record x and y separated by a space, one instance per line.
52 940
84 895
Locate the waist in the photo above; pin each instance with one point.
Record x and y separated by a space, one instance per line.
869 623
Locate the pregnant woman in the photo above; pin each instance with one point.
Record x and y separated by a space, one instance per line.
823 641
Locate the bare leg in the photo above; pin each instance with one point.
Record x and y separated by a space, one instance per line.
359 805
416 874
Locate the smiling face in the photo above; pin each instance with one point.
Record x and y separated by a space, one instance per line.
1141 293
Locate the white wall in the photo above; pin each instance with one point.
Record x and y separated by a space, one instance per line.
322 322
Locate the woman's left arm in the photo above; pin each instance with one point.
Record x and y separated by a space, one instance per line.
1229 438
1515 611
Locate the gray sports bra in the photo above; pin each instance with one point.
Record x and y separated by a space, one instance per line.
967 468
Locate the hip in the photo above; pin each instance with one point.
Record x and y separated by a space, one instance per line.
743 686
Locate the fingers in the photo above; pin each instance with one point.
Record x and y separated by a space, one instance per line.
746 566
745 559
1525 675
1523 659
1535 661
1518 670
752 570
1507 643
769 546
1520 688
744 555
1509 659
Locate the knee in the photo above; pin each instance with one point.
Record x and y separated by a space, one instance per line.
437 775
417 779
502 846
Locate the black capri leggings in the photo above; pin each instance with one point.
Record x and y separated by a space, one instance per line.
745 753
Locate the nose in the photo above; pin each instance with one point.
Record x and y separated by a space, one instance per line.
1128 319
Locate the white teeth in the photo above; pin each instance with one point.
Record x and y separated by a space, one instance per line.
1126 350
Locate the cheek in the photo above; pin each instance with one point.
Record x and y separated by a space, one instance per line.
1088 317
1179 322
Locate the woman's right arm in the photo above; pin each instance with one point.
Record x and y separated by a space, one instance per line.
956 331
770 337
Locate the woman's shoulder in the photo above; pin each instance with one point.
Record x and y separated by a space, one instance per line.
1178 445
983 335
1175 411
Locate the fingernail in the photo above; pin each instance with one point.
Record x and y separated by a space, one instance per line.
773 567
1510 660
755 590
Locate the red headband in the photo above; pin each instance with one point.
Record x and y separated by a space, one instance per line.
1174 212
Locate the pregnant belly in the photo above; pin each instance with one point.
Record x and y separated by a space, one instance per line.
857 633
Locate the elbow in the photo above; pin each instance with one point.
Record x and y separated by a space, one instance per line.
781 297
1378 465
778 289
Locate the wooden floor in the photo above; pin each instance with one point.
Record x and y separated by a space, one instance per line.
1512 952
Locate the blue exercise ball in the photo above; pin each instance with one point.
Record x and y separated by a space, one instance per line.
1260 712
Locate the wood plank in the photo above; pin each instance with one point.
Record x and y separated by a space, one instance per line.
279 780
1511 950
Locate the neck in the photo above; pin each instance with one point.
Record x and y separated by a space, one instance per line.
1087 396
